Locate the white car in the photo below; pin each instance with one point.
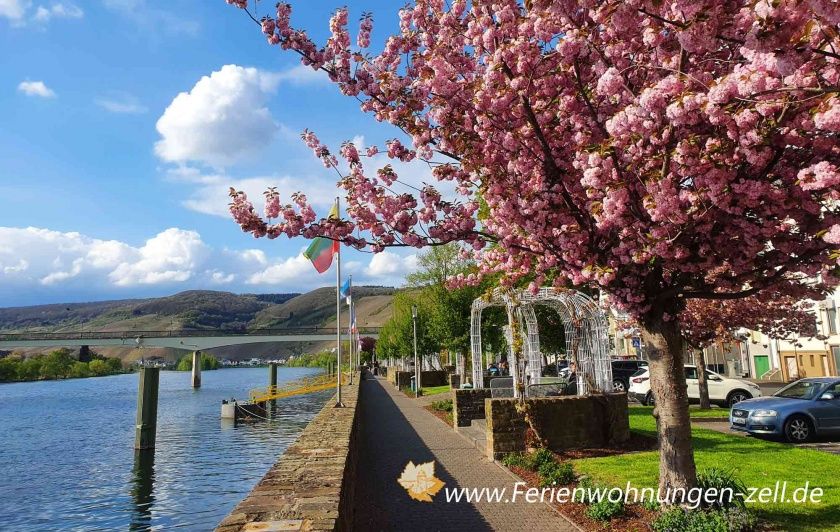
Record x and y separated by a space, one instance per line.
723 391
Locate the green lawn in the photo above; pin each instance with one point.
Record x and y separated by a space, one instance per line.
695 413
434 390
757 463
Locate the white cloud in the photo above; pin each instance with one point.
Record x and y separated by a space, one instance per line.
13 10
35 88
58 10
221 120
43 257
48 265
121 104
284 272
172 256
388 264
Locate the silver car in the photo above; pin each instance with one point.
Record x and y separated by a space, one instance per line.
798 412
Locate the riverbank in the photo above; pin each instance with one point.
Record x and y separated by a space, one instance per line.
57 365
312 485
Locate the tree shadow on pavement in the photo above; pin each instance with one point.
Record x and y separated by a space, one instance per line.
387 443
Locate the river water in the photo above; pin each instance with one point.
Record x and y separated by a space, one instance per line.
67 459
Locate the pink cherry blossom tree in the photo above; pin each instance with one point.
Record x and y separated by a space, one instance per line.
661 151
705 322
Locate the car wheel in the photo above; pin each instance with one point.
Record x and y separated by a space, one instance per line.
736 396
618 386
798 429
649 400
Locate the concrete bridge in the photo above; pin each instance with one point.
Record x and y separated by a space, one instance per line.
190 339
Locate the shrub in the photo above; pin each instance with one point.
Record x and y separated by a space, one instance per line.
443 406
556 474
516 460
713 520
604 510
538 458
720 480
651 505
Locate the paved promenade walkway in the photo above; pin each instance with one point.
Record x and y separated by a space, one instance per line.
396 430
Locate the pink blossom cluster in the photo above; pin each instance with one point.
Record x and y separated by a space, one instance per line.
660 151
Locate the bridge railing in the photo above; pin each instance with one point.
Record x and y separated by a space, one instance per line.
131 335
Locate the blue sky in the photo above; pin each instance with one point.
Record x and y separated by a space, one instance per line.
124 122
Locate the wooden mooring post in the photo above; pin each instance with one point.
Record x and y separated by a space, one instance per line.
272 375
196 369
147 401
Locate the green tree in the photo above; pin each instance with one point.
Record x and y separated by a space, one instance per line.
56 365
98 367
114 364
9 368
208 362
79 370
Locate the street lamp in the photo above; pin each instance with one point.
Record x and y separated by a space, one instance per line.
416 365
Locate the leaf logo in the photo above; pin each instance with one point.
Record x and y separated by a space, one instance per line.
420 481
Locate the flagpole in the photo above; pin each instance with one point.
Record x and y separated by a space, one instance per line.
338 402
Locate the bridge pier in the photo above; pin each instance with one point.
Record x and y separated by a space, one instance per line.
147 401
272 375
196 369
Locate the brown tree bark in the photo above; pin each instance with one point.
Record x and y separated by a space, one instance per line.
702 381
667 381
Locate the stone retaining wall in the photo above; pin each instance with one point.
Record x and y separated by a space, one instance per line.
562 422
429 379
401 379
468 405
312 485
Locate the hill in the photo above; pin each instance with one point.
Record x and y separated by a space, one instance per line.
201 309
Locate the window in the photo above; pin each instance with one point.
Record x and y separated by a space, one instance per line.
691 373
831 319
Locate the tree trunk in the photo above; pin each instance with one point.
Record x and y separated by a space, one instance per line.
702 381
667 381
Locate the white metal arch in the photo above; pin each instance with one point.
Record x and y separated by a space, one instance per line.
585 327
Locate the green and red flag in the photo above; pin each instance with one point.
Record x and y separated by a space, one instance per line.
321 250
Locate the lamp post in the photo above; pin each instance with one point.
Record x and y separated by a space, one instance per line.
416 365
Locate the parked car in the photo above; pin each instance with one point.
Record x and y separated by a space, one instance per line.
622 370
550 370
798 412
723 391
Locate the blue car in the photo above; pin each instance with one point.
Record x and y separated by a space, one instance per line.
798 412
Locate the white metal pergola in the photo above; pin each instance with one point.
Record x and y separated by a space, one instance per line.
585 327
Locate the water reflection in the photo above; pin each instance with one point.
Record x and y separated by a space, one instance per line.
199 470
142 490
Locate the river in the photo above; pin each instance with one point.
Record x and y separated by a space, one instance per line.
67 459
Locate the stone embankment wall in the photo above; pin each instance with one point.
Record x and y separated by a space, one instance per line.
468 405
562 422
312 485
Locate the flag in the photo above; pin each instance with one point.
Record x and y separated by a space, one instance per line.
321 250
347 289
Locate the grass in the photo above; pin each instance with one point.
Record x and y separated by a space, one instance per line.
757 463
434 390
696 413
